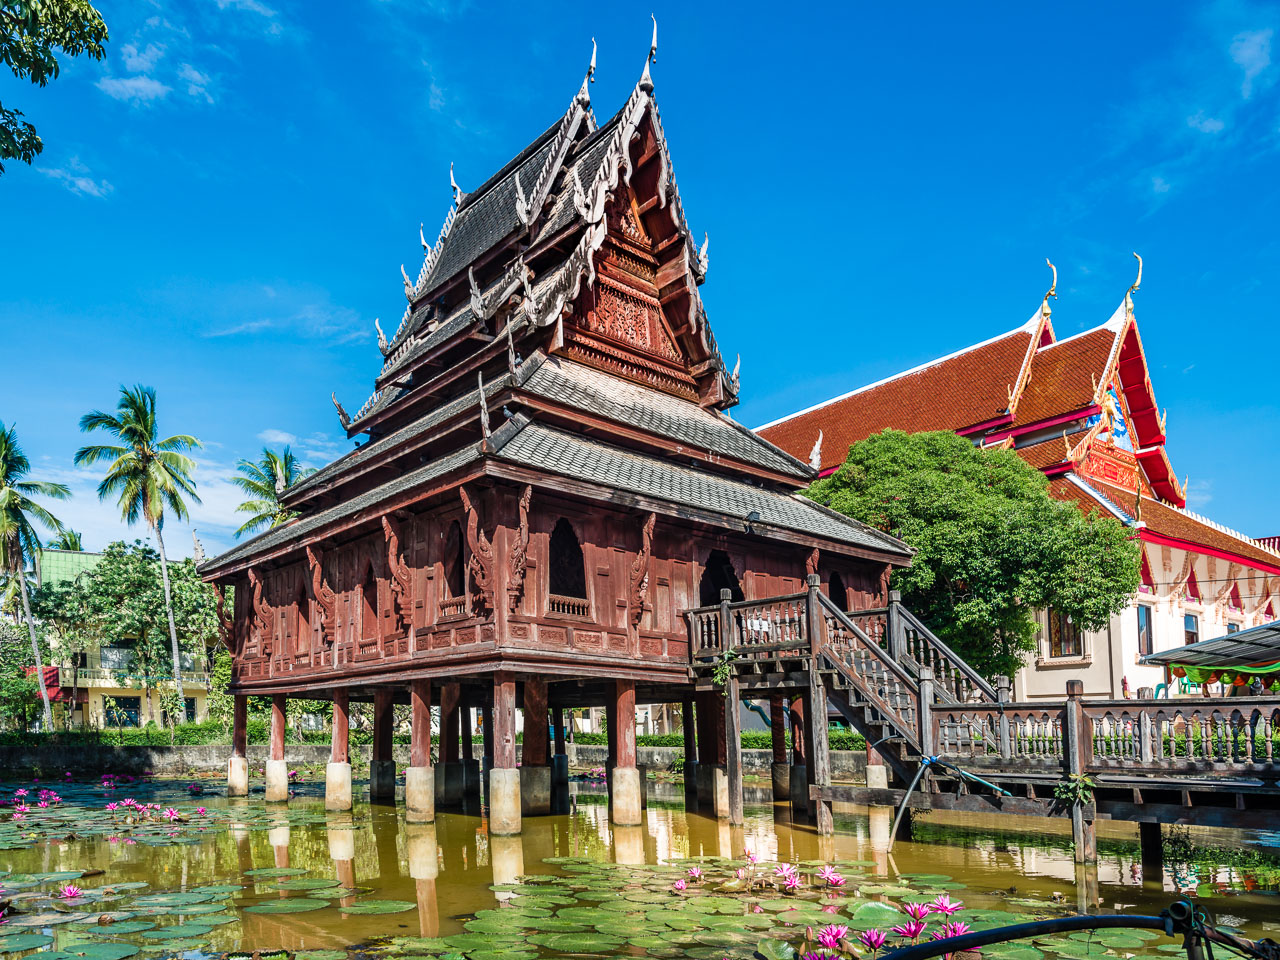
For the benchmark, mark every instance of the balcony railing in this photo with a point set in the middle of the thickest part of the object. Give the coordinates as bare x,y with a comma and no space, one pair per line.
69,676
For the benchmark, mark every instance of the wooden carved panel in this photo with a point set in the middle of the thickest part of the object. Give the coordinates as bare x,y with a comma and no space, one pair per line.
518,561
480,563
401,581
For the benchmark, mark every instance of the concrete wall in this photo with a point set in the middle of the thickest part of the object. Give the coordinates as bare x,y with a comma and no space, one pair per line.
175,761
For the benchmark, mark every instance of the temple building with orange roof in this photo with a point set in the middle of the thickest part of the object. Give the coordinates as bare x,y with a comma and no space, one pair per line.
1082,410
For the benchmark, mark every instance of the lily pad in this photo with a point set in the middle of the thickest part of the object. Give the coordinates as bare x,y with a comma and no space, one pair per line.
775,949
288,905
576,942
106,950
23,941
120,929
275,872
179,931
379,906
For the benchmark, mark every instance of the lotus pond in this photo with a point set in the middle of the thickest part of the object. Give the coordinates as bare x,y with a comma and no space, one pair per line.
107,872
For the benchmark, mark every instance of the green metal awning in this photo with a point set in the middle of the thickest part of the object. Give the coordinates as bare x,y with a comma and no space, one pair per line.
1256,648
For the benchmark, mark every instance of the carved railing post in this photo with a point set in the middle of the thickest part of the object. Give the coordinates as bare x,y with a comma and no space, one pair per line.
925,711
1145,729
1003,696
895,628
1077,755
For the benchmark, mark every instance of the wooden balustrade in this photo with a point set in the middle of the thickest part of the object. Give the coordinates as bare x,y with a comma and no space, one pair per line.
453,607
756,627
569,606
1186,734
1026,732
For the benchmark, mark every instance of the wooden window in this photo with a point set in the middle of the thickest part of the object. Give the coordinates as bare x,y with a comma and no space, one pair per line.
455,566
1144,630
1064,637
717,575
1191,628
837,592
369,605
302,622
567,584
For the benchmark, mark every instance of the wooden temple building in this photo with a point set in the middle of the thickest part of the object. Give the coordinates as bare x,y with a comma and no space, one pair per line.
1081,409
545,491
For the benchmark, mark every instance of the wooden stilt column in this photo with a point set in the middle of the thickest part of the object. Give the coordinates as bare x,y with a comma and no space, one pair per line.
487,721
818,751
1078,752
449,774
419,778
337,775
238,762
780,771
799,776
504,777
733,748
559,764
535,773
382,768
626,778
713,785
688,721
470,764
277,769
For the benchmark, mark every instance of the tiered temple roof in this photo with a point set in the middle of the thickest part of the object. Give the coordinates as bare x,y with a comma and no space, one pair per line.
1080,409
555,326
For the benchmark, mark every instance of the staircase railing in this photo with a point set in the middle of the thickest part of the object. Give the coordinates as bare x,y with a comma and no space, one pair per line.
957,682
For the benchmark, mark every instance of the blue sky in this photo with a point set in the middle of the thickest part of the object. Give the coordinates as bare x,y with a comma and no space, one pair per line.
223,205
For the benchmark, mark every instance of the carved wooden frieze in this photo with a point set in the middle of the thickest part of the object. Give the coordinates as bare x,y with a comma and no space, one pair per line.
226,622
480,563
811,562
640,571
518,560
261,622
401,581
326,600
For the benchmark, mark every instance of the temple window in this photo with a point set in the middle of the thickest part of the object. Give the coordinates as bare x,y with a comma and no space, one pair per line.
1191,628
454,564
567,572
369,605
837,591
301,622
1145,645
1064,636
717,575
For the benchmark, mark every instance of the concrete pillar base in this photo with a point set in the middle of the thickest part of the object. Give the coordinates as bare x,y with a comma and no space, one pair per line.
419,795
800,787
535,791
504,802
382,780
277,781
877,776
337,786
780,773
626,797
237,777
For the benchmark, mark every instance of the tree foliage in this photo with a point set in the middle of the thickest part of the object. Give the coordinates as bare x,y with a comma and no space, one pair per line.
265,482
31,33
992,546
19,692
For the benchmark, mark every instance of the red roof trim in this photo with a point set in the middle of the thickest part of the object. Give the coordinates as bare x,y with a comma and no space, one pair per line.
1151,536
1022,429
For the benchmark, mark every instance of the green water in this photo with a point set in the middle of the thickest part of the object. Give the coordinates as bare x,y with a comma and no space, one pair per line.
293,877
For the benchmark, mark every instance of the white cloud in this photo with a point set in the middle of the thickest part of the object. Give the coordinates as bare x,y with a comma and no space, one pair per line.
301,310
141,61
197,82
134,89
1251,50
269,14
75,177
277,436
1205,124
1199,494
1160,185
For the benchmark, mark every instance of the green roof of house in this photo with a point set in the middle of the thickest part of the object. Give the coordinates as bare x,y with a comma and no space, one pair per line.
61,566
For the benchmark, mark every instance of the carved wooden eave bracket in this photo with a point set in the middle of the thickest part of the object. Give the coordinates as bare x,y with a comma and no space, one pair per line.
326,600
262,622
480,563
518,559
640,571
811,562
401,582
226,622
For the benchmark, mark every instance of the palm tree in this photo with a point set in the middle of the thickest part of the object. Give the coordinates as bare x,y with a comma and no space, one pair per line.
18,540
67,539
146,475
265,481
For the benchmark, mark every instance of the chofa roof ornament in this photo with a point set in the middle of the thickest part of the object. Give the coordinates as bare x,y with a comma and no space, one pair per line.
1128,297
1053,290
815,455
646,82
458,195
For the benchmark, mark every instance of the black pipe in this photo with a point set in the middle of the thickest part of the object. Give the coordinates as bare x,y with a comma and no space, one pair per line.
1021,931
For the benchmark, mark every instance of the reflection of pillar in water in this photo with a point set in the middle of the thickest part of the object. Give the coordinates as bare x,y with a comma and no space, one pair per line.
506,855
240,834
628,844
385,834
420,839
826,847
724,839
879,827
278,837
1152,849
783,830
342,851
1087,892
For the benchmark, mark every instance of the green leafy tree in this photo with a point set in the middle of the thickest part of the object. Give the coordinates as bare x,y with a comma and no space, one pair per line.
220,704
265,482
67,539
31,32
146,475
992,546
19,514
61,607
17,686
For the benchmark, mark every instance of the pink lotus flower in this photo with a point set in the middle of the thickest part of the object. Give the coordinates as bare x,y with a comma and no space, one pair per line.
695,873
113,839
741,873
201,811
952,928
43,803
831,936
756,908
832,876
20,792
69,892
128,801
873,940
751,857
678,885
113,806
171,814
784,870
945,905
130,841
916,911
791,883
18,816
911,929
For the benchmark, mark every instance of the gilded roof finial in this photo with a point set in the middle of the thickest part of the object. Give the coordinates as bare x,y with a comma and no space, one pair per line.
591,68
702,254
408,284
815,455
426,247
1053,290
382,337
342,414
458,195
1128,297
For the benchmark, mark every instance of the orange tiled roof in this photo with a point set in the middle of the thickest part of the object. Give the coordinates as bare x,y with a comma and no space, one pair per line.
952,393
1167,521
1044,455
1064,376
